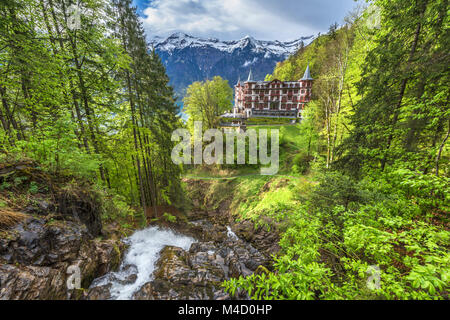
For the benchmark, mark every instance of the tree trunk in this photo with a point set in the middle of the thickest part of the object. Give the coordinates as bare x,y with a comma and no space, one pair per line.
438,157
9,115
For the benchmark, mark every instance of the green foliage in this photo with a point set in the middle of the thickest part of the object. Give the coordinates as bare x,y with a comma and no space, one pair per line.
115,207
380,118
95,103
169,218
301,163
268,121
343,228
431,192
34,188
83,102
206,101
402,118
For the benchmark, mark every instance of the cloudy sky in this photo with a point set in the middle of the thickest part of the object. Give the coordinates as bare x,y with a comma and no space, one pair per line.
234,19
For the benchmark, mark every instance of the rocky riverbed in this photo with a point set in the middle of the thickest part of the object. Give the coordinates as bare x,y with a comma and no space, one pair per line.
190,263
55,245
185,260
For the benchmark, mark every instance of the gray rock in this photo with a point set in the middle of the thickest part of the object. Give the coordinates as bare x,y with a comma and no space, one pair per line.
37,254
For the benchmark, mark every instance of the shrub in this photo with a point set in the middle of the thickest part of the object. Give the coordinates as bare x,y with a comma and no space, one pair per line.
169,217
301,163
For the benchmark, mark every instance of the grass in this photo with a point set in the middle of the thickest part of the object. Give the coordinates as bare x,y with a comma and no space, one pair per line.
268,201
9,218
265,200
290,146
269,121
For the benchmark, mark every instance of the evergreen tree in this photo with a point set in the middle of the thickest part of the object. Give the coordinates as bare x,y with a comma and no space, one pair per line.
90,99
403,115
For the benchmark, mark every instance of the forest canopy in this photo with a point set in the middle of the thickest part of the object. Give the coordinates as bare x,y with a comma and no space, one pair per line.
82,92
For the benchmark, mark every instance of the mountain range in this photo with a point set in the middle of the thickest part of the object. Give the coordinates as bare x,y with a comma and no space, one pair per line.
188,58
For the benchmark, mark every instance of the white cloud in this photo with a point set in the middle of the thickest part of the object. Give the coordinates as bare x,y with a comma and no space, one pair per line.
232,19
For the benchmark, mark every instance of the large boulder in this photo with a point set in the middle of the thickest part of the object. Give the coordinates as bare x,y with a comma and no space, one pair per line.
31,282
175,278
43,242
193,274
35,257
54,194
265,241
198,274
82,204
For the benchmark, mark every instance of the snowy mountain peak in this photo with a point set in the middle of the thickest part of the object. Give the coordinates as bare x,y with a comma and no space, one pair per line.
248,38
180,40
179,35
188,59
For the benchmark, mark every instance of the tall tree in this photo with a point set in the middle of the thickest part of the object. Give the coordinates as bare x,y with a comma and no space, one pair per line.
404,105
206,101
88,98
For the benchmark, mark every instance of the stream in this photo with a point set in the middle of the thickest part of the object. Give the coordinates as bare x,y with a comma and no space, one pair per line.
140,260
161,263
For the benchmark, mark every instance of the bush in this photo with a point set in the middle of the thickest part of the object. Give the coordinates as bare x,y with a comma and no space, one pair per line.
169,217
115,207
301,163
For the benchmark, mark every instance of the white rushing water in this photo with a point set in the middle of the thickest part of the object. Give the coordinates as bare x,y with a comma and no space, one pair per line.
143,253
231,234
